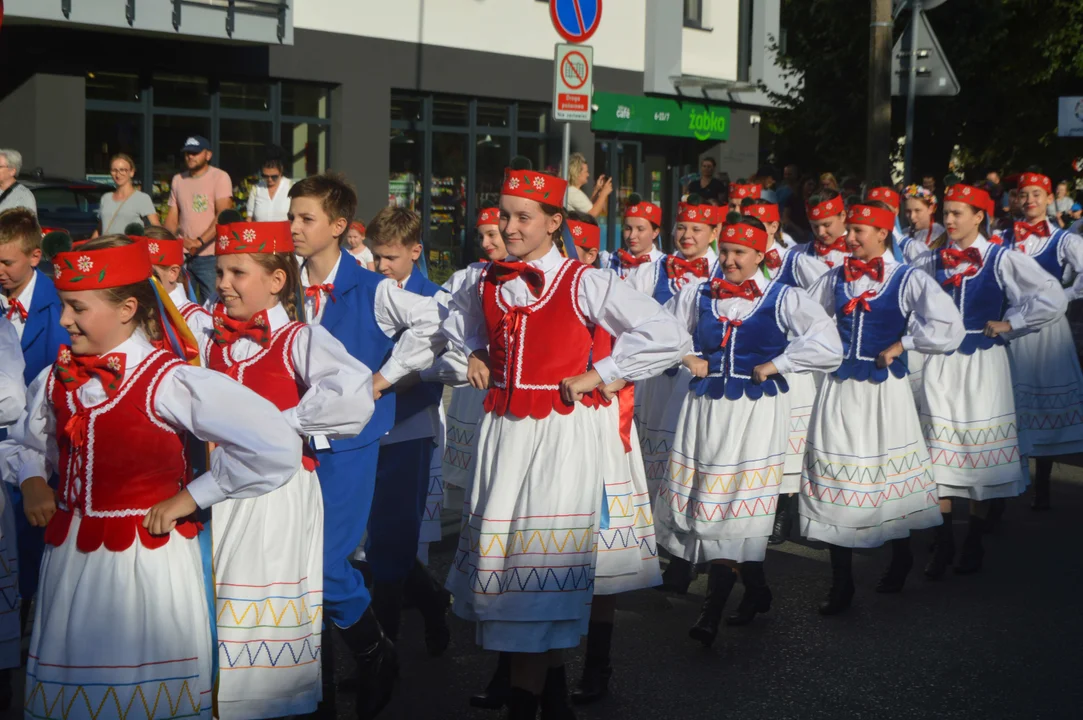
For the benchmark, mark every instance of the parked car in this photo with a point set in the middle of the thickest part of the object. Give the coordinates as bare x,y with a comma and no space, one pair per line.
73,205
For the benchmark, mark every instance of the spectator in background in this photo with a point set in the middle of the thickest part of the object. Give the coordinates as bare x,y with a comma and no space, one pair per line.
354,242
790,177
707,186
269,200
767,176
828,181
929,183
195,199
1062,201
578,174
12,193
125,205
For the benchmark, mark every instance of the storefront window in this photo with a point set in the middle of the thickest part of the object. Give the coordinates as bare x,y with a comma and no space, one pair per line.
536,150
241,152
405,109
447,224
304,146
118,87
404,182
112,133
493,156
493,115
170,132
304,100
454,112
182,91
244,96
533,118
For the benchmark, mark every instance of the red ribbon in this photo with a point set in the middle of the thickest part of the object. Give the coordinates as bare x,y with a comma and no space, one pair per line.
825,249
677,267
227,330
14,307
862,300
730,324
628,260
952,258
1024,230
957,279
510,324
313,291
75,370
75,427
504,271
854,269
626,401
773,259
723,289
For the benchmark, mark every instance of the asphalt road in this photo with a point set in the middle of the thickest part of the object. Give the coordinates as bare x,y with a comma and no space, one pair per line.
1006,643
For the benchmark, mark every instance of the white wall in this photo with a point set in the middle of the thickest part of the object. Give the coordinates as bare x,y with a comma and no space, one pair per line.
713,53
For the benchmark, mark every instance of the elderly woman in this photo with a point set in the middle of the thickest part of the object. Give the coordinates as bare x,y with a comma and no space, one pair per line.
578,174
125,205
269,200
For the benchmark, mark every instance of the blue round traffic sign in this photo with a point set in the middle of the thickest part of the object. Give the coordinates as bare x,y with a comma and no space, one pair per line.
576,20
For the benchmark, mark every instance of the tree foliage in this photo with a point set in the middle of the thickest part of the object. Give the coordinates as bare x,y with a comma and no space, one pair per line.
1013,58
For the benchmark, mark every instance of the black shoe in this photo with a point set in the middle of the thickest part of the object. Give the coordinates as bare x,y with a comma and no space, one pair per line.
1042,480
757,597
377,665
7,693
522,705
720,582
842,582
943,550
784,516
387,606
594,685
902,561
996,514
554,698
970,558
433,601
677,576
838,600
496,693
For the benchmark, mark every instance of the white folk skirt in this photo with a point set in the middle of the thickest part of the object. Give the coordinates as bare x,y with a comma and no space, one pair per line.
268,566
627,549
802,395
1049,390
118,632
867,478
10,615
431,530
656,418
725,472
461,443
968,417
524,567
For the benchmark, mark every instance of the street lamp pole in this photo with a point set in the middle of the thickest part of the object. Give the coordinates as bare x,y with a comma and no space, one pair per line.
878,137
911,90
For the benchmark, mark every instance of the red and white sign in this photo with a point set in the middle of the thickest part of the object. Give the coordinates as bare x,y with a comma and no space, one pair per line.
573,83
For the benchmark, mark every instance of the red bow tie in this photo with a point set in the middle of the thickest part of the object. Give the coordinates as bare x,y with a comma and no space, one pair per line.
678,267
75,370
861,300
853,269
504,271
628,260
1023,230
313,291
14,306
957,279
824,249
773,259
953,258
724,289
227,330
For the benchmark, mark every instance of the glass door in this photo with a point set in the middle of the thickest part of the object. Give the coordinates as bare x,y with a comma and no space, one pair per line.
621,160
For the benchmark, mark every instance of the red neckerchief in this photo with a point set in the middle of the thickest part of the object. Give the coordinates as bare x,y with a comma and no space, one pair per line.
313,291
227,330
953,258
504,271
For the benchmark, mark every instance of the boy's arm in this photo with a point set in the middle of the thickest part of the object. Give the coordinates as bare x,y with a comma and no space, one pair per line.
415,319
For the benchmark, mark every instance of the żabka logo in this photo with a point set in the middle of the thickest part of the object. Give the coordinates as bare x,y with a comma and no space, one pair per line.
703,124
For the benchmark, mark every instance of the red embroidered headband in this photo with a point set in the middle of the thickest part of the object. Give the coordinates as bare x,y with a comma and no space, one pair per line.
164,253
489,216
874,216
254,237
706,214
646,210
885,195
834,206
975,197
113,267
745,191
542,188
767,212
585,235
746,235
1036,180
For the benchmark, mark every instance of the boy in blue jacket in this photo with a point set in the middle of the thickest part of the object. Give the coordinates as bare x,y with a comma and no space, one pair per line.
394,333
403,470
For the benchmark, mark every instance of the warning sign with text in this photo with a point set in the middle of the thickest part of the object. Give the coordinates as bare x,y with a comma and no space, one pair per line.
573,82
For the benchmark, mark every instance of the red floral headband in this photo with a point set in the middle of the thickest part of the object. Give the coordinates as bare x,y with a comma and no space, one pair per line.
834,206
874,216
585,235
254,237
746,235
113,267
706,214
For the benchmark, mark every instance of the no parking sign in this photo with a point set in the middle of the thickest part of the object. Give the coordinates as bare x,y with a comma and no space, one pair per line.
573,82
576,20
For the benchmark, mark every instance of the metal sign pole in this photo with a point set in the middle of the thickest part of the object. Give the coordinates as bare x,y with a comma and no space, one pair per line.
565,152
911,91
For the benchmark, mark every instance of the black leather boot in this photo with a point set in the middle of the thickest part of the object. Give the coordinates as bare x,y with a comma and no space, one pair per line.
387,606
496,693
433,601
7,693
377,664
1042,476
554,698
522,705
594,685
997,506
677,576
784,519
842,582
943,549
720,582
971,556
757,597
902,561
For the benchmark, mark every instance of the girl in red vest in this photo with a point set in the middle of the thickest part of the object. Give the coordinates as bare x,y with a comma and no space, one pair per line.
524,569
269,549
122,613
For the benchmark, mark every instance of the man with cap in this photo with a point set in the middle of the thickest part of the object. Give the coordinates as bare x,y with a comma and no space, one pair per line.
196,198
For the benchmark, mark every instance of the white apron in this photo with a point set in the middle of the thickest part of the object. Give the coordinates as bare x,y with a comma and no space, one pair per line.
802,395
1049,390
463,417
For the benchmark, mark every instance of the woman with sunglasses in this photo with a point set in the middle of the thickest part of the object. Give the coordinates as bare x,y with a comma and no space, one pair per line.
269,200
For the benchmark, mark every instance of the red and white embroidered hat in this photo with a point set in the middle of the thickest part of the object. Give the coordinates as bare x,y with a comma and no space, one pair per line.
646,210
885,195
745,191
874,216
705,214
540,187
81,269
488,216
834,206
972,196
1036,180
163,253
585,235
764,212
746,235
254,237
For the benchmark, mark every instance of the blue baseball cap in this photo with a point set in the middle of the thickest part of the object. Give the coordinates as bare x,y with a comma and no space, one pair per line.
196,144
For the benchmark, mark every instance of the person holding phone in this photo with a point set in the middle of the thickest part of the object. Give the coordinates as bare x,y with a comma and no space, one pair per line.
578,174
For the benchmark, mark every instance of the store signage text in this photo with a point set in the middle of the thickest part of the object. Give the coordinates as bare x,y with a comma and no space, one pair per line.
660,116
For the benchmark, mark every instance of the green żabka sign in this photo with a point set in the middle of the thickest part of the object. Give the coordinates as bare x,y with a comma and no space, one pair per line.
659,116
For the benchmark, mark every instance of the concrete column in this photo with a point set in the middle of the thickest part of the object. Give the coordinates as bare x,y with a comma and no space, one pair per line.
45,120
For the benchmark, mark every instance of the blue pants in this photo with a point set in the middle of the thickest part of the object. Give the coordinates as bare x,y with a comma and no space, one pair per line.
347,479
202,271
402,487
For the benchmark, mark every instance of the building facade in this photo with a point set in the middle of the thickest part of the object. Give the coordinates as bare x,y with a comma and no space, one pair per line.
420,103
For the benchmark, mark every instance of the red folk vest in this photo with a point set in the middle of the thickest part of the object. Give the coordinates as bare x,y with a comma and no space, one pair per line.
130,461
532,348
